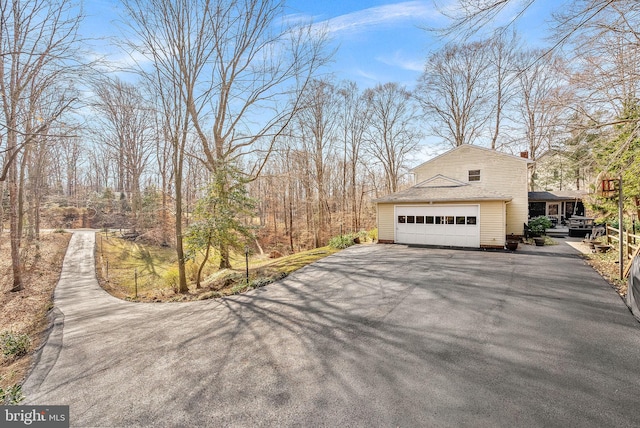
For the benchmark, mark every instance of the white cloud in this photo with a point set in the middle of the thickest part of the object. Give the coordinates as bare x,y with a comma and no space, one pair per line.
398,59
368,76
379,15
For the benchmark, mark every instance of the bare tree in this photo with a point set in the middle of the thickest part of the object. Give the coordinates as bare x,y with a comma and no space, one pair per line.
172,36
234,63
541,101
318,123
471,17
392,134
502,75
354,119
37,45
453,92
126,123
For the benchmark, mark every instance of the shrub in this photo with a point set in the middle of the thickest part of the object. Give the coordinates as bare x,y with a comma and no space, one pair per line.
14,345
261,282
11,395
341,242
362,236
171,279
539,225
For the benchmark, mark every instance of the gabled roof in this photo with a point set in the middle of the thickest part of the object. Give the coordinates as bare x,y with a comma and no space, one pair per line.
474,147
567,195
440,181
443,189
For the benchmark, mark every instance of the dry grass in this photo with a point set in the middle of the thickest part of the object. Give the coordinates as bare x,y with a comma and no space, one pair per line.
26,311
157,271
606,264
122,266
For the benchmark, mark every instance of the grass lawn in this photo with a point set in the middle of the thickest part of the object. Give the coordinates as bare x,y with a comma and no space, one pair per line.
123,266
134,271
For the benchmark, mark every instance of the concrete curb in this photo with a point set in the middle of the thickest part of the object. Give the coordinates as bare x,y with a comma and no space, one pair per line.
47,354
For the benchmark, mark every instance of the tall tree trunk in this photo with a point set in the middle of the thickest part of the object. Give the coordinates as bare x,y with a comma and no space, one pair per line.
2,186
204,261
291,225
14,224
178,163
225,262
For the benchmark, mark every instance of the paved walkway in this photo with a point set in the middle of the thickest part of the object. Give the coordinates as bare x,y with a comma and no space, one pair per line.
378,335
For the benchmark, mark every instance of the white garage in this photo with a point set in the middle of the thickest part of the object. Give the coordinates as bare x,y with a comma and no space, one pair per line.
444,225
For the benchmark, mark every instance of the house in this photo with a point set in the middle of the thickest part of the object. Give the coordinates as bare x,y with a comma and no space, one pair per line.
559,170
469,196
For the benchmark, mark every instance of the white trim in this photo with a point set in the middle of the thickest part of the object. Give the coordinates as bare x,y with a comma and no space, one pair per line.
479,180
453,181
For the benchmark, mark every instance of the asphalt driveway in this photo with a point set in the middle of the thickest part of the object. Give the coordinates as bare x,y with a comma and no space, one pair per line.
376,335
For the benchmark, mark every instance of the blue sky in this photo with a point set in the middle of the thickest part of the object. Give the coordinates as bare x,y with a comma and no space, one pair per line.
378,41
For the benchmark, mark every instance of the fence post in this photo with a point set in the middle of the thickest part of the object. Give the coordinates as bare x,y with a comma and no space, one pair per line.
626,245
135,273
621,227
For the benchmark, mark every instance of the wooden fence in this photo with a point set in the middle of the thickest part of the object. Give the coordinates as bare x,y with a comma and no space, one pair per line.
630,242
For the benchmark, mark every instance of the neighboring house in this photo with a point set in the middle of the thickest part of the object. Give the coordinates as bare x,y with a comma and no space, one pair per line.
469,196
556,170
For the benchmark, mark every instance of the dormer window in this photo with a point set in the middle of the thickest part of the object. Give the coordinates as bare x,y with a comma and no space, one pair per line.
474,175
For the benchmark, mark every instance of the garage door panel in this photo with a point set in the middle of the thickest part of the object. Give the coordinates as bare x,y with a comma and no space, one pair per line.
456,225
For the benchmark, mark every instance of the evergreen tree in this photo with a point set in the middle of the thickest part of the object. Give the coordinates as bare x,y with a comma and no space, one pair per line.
221,218
616,155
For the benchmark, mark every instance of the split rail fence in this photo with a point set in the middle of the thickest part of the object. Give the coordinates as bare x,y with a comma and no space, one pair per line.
630,243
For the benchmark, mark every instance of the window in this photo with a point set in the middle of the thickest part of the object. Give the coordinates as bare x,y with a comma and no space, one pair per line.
474,175
460,220
471,220
420,219
450,219
402,219
439,219
411,219
537,209
429,219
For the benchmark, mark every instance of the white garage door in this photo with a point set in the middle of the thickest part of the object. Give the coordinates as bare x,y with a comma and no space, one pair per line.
454,225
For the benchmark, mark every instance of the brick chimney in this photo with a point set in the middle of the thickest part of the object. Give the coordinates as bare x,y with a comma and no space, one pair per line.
524,154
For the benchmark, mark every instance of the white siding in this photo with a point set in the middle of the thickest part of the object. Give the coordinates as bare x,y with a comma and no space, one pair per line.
492,224
499,172
386,225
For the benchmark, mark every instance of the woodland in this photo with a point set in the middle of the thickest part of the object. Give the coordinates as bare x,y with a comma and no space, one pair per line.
227,130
